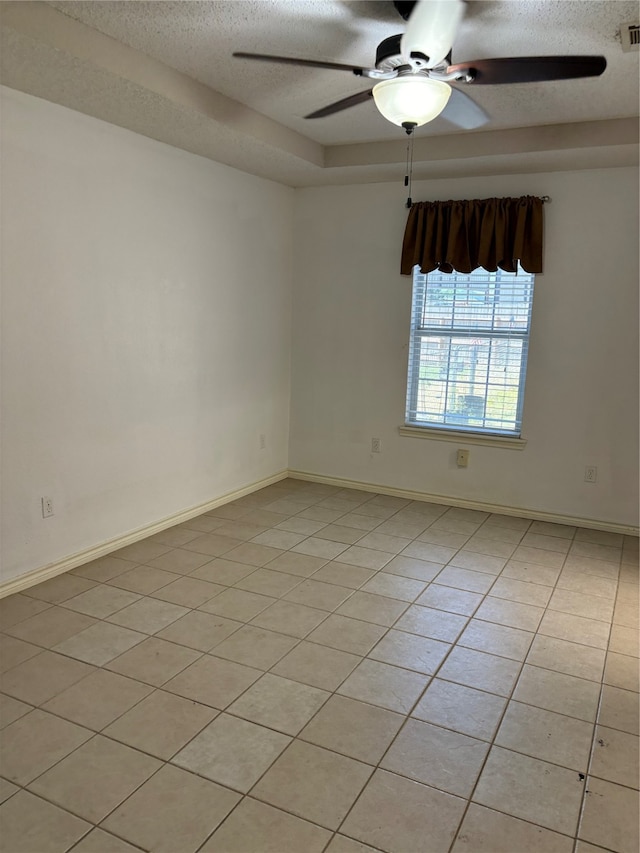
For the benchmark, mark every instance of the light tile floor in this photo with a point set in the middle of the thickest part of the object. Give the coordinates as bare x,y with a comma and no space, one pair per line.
316,669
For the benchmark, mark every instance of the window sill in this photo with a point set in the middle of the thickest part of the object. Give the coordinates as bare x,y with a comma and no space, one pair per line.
460,437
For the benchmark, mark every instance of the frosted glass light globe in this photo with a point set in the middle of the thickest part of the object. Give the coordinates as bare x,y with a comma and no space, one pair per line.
412,100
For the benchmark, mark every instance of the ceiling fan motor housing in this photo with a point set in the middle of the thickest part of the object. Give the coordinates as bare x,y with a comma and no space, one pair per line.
388,56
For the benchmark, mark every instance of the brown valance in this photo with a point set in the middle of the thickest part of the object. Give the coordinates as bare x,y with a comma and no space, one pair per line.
464,235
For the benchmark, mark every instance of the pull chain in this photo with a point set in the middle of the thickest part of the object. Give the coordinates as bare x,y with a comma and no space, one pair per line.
409,168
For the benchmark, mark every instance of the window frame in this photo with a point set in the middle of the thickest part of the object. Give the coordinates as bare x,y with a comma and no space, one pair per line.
419,333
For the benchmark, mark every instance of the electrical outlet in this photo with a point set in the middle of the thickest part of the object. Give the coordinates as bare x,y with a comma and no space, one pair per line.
263,442
376,445
462,458
590,474
47,507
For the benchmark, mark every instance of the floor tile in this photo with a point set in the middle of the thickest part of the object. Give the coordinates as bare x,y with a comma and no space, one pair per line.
389,543
11,710
431,553
153,661
487,831
624,641
462,709
254,555
317,665
452,600
201,631
267,582
30,824
548,543
222,572
173,537
257,826
324,596
427,622
394,586
496,639
610,816
616,757
98,699
161,724
143,579
579,604
367,607
620,709
188,591
510,613
410,567
141,551
565,626
279,703
478,562
348,635
444,759
255,647
353,728
213,545
478,669
95,778
101,601
102,569
16,608
7,789
564,656
587,584
278,539
233,752
300,565
528,788
384,685
35,742
521,591
622,671
52,626
14,652
237,604
540,556
396,815
466,579
367,558
60,588
410,651
489,546
42,677
546,735
300,525
286,617
556,691
339,533
213,681
530,573
174,810
99,841
243,530
100,643
313,783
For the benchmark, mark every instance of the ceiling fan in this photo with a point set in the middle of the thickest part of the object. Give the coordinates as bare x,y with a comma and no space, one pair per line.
415,77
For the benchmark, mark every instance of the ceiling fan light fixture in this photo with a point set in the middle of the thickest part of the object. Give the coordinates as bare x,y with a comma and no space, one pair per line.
413,100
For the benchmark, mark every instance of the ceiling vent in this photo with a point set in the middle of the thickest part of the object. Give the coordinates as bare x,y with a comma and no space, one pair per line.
630,37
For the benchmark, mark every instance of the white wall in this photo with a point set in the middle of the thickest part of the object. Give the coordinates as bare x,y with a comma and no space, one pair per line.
351,320
145,331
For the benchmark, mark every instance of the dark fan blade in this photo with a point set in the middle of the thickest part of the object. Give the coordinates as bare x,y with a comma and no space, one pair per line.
462,111
344,104
531,69
310,63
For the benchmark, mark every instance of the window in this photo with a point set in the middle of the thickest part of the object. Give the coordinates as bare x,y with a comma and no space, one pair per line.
468,350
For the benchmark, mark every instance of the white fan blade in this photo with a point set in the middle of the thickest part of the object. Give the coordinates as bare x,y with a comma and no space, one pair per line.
463,111
431,29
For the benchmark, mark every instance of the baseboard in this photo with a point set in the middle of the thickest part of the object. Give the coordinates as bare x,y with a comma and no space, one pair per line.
51,570
555,518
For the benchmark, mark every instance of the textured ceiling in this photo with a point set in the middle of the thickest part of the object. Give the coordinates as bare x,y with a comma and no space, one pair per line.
166,70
